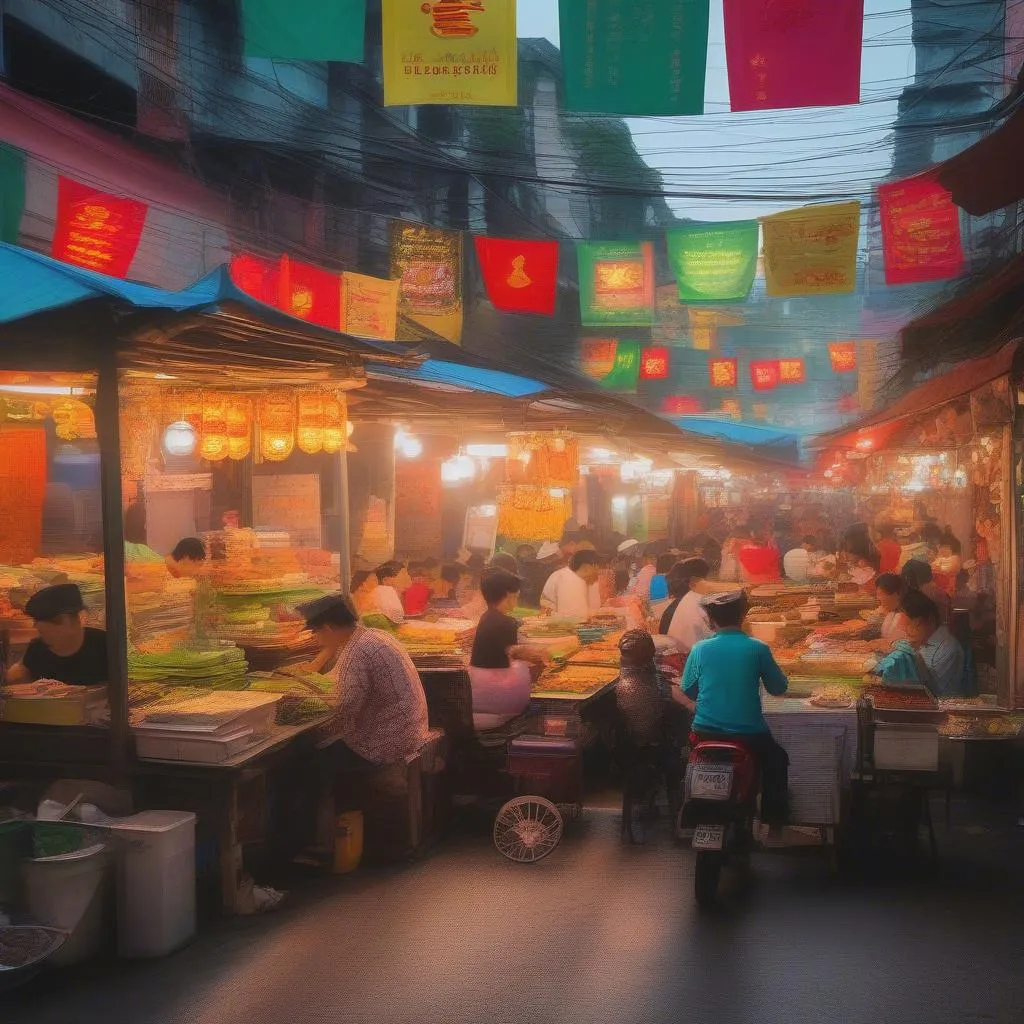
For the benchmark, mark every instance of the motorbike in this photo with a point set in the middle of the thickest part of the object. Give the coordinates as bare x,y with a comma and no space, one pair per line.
719,804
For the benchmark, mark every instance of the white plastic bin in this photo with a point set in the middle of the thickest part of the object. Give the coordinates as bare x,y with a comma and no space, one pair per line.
156,882
69,892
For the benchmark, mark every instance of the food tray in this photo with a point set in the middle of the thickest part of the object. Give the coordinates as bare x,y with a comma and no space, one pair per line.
38,952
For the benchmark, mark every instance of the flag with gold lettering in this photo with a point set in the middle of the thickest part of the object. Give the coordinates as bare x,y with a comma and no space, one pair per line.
615,365
765,374
310,293
428,264
520,276
920,231
793,53
616,283
723,373
370,307
96,230
792,371
714,262
654,363
812,250
843,356
453,52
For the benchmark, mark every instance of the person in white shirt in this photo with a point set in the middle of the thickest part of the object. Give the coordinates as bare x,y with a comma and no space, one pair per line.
889,591
685,619
641,585
392,579
568,591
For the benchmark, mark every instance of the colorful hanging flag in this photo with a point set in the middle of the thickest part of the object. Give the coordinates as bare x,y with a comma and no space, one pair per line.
714,262
812,250
616,283
615,365
257,277
305,29
457,52
792,371
654,363
428,264
843,356
724,373
310,293
520,277
12,192
681,405
793,53
95,230
370,307
622,57
920,231
765,375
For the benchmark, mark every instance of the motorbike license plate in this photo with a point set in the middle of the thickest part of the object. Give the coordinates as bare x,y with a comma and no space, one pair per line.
711,782
709,837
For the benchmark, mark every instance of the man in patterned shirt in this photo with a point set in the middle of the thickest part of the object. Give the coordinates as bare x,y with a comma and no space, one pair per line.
380,712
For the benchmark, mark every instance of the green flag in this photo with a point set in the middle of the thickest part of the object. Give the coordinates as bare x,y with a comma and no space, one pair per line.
12,192
305,29
624,57
613,364
616,283
714,262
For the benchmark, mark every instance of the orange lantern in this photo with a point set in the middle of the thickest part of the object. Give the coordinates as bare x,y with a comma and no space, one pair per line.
213,438
239,419
310,430
335,424
277,427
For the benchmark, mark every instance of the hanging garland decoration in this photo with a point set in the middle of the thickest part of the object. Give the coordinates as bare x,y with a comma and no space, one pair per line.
528,513
544,459
277,427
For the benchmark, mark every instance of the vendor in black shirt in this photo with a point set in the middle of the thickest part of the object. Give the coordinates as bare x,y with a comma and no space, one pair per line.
498,667
66,650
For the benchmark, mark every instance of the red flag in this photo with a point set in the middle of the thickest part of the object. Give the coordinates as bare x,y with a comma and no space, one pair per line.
520,277
310,293
257,277
724,373
96,230
843,356
765,375
681,405
793,53
654,363
920,231
792,371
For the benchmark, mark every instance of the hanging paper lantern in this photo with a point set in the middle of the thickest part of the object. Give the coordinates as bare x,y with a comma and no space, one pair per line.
724,373
654,363
843,356
277,427
337,429
213,444
180,438
792,371
309,433
238,412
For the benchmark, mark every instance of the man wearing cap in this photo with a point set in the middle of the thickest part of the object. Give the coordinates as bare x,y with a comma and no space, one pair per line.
66,650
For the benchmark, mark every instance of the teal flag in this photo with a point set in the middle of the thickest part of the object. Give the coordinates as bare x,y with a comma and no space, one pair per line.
12,192
714,262
625,57
305,29
613,364
616,283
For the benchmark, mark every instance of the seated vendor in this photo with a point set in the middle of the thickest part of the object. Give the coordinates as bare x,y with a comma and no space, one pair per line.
499,667
66,650
187,559
417,595
392,581
941,653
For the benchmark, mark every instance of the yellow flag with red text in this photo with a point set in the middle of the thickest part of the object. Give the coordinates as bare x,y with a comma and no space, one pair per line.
452,52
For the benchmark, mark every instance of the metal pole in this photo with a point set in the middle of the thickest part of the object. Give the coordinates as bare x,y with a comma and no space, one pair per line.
109,435
344,533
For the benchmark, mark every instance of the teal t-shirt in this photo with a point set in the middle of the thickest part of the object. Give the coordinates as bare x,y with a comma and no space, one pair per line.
724,674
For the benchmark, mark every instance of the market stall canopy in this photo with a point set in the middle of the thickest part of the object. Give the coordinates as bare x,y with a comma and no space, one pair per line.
450,376
872,433
783,445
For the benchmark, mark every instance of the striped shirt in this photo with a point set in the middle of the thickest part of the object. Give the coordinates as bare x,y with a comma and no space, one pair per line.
380,709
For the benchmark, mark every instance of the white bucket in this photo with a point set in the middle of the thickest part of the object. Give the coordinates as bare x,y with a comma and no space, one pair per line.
69,892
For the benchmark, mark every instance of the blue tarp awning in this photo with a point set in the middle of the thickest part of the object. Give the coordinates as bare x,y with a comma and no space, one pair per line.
459,375
736,432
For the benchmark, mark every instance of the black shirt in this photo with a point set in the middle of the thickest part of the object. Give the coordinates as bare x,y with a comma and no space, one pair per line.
495,634
86,667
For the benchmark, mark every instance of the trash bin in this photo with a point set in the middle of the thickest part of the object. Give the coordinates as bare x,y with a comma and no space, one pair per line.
68,891
156,882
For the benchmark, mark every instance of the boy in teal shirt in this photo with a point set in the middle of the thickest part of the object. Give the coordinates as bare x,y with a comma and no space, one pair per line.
724,675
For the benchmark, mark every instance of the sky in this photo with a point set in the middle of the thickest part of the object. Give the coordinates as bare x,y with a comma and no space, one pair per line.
771,153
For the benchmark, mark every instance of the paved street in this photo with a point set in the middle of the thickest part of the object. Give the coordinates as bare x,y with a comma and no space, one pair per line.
596,933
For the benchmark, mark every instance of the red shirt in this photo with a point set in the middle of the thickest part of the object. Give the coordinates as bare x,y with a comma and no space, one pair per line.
416,599
889,556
